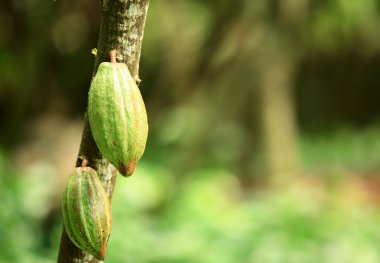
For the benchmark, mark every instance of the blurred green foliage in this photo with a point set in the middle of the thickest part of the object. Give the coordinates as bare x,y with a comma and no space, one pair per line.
201,192
207,218
345,148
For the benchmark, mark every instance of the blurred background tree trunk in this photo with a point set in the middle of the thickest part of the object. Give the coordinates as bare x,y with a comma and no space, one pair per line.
279,122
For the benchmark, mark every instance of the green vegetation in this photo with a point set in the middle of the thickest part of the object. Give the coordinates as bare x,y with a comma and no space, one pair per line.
345,149
208,217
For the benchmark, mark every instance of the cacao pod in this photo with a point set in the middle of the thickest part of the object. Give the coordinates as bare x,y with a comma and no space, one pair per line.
87,212
117,116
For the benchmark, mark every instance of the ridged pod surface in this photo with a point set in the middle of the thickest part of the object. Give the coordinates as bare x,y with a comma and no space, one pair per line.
117,116
87,212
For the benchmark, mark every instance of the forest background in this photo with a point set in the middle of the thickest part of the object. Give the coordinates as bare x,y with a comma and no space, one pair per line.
264,140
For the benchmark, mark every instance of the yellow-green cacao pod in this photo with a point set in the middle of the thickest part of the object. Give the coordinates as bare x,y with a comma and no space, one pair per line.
87,212
117,116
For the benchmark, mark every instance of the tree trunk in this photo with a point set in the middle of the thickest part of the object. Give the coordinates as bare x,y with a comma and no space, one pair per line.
278,116
122,29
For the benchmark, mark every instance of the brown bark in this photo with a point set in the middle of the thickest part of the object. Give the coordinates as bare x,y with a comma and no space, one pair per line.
122,28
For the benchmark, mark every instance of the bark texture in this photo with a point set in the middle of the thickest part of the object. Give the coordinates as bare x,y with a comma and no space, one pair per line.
122,28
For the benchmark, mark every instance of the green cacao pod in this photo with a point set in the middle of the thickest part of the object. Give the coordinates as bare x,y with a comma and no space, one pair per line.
87,212
117,116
